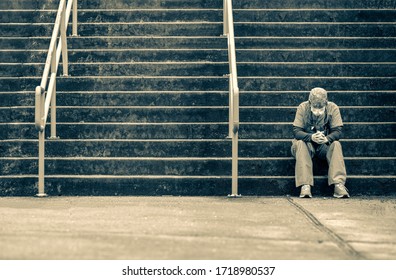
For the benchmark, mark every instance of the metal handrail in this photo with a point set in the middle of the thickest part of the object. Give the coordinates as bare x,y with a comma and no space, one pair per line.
233,127
47,95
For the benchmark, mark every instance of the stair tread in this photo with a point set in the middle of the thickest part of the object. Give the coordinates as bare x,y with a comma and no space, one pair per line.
136,140
226,158
101,176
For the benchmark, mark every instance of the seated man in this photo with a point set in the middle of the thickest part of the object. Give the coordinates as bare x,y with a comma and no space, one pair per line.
317,129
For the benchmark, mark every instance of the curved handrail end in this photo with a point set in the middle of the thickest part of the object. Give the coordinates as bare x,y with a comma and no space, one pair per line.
235,127
39,127
39,90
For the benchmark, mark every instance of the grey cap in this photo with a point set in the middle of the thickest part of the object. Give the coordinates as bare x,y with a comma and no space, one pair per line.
318,97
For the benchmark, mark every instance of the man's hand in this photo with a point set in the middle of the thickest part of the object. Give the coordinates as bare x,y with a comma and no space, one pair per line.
319,138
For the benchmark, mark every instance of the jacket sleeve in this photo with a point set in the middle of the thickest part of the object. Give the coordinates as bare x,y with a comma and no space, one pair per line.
335,134
300,134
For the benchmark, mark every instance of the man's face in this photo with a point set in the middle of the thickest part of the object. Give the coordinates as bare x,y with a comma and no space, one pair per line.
318,111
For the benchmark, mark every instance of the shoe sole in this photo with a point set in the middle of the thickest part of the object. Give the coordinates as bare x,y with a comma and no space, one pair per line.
341,196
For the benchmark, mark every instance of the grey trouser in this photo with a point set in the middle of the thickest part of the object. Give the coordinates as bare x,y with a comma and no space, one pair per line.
304,152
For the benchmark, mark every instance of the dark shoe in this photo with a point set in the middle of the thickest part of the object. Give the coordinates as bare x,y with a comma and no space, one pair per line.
340,191
305,191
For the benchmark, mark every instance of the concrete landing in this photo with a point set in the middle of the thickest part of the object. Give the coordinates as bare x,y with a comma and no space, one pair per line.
197,228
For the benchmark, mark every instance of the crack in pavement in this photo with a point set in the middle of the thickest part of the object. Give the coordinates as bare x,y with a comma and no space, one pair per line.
341,243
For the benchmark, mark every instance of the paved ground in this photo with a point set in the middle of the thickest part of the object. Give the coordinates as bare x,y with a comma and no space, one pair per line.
199,228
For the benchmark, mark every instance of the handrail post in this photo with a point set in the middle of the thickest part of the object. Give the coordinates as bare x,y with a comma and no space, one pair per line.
235,135
53,97
39,122
41,167
230,107
225,17
234,165
63,27
39,101
53,114
233,128
74,27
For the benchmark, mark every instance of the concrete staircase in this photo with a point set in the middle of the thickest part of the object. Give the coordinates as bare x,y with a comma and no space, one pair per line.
145,109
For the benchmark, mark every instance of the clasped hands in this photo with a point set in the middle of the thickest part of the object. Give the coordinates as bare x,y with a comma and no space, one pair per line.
319,138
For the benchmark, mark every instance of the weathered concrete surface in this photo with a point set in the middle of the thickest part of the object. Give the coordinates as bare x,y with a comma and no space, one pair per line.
368,225
197,228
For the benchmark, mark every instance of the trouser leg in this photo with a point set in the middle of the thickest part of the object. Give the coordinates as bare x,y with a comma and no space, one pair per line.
335,159
303,167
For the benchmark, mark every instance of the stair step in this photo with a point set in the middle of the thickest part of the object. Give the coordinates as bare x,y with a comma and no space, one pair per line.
208,68
334,29
117,16
138,114
318,42
123,42
318,4
178,114
170,83
312,15
361,130
124,4
212,55
190,185
366,130
128,69
183,148
120,55
201,42
185,166
316,55
108,83
179,4
317,69
200,98
303,83
116,98
122,131
29,4
342,98
181,185
209,15
117,29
